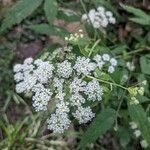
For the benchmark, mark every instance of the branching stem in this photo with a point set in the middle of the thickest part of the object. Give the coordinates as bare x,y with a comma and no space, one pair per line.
107,82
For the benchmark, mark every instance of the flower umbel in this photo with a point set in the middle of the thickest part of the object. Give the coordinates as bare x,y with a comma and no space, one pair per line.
99,17
64,82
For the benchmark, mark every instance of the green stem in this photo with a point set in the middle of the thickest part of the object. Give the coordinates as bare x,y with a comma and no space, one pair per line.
95,44
107,82
136,51
118,109
119,106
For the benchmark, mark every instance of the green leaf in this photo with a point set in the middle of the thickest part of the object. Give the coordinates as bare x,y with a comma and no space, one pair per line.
138,115
142,98
142,21
68,15
135,11
145,64
20,11
80,41
102,75
124,136
119,49
103,122
140,16
49,30
50,8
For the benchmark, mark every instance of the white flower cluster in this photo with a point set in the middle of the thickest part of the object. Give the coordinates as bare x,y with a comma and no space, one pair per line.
64,69
84,66
83,115
94,90
64,82
99,18
59,121
31,77
104,61
137,134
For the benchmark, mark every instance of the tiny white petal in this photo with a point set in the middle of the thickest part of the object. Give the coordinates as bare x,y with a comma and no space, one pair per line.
106,57
111,69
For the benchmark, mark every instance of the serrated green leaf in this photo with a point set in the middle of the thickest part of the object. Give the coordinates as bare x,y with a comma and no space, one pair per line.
49,30
20,11
138,115
98,127
145,64
50,8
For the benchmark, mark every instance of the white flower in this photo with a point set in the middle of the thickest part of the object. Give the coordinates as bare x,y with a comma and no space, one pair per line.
62,107
41,99
99,61
101,9
18,76
76,99
77,85
20,87
124,78
58,83
91,15
30,81
106,57
83,115
58,122
38,62
109,14
97,58
130,66
37,87
44,71
84,66
144,144
60,96
28,60
99,18
26,85
96,24
94,90
133,125
27,68
17,68
64,69
84,17
111,69
113,61
104,60
104,23
137,133
112,20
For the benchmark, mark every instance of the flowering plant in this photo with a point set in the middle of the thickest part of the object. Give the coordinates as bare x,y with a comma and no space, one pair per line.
94,80
70,82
